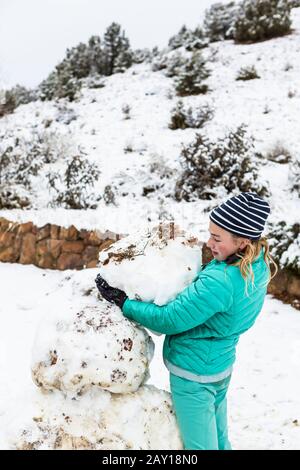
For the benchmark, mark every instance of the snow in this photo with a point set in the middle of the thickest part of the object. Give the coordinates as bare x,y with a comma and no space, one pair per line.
89,348
94,345
80,412
264,394
103,134
155,269
100,421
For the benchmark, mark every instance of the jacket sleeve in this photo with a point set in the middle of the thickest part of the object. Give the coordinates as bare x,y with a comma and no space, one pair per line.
211,293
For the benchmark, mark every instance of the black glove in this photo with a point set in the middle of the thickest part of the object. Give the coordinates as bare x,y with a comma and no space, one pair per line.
112,294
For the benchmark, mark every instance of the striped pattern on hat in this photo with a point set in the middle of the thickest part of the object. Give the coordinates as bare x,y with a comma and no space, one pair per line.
244,215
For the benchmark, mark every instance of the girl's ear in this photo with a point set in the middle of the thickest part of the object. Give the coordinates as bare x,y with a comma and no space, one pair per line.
244,244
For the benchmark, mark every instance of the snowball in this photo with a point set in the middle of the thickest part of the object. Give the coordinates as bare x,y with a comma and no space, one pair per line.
103,421
151,265
146,418
95,346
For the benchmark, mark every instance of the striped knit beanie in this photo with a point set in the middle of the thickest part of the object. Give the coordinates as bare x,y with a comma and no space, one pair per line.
244,215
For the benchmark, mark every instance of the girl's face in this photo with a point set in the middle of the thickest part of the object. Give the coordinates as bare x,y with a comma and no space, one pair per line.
222,244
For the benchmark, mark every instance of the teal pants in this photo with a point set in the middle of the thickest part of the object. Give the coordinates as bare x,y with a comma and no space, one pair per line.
201,412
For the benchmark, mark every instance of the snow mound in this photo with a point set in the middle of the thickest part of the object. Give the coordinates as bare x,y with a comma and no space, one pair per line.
95,346
103,421
149,411
92,363
152,265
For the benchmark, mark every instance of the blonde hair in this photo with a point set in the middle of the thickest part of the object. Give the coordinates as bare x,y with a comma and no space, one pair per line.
251,252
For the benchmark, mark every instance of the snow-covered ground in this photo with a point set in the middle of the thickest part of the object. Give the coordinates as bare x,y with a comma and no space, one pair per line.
124,149
264,395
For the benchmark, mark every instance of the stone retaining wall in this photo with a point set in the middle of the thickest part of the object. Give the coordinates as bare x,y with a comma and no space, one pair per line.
55,247
52,246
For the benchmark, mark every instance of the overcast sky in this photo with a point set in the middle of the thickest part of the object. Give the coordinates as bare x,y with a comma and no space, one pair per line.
34,34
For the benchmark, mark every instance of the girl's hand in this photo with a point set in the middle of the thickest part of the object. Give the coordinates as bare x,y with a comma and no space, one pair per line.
111,294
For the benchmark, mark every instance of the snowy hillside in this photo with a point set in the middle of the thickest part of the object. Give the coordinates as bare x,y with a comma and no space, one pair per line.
122,130
125,150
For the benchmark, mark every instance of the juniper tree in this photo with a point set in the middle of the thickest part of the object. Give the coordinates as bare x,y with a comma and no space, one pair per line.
116,50
142,55
258,20
96,56
12,98
230,162
78,60
61,83
284,241
219,21
191,40
18,163
247,73
87,60
47,88
175,64
190,79
294,176
187,117
74,187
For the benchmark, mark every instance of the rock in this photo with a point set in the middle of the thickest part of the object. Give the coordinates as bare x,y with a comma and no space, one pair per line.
47,252
52,247
70,233
90,255
69,261
73,246
91,264
54,231
10,244
93,239
27,255
4,224
293,286
43,232
83,233
279,283
9,255
7,239
25,228
106,243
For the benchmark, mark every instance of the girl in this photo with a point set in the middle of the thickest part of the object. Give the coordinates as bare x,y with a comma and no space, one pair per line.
203,324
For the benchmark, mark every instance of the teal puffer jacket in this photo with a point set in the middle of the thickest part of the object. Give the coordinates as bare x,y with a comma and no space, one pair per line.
204,322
